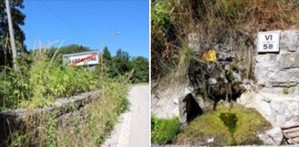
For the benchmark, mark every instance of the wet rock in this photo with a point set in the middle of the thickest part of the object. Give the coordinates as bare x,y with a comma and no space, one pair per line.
224,53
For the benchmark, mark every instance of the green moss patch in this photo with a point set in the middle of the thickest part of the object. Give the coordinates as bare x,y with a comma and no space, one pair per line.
228,126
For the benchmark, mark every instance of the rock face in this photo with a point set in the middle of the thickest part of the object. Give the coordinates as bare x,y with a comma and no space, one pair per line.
271,70
165,103
279,110
280,69
272,137
273,91
277,74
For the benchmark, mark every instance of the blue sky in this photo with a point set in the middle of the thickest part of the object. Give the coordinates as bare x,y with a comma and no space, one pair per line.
91,23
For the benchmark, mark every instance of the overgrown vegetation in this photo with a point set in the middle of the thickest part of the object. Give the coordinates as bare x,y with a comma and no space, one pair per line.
225,131
40,80
163,130
233,22
42,77
87,127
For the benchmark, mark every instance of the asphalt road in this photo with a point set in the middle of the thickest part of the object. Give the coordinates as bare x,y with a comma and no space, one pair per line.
133,129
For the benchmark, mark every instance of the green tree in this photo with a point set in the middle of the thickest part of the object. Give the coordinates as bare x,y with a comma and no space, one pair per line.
120,63
73,48
18,20
141,69
106,54
107,61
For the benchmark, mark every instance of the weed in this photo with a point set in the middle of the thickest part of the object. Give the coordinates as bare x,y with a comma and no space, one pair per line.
89,126
42,82
163,130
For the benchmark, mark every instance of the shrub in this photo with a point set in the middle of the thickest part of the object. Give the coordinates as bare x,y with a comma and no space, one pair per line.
163,130
87,127
41,82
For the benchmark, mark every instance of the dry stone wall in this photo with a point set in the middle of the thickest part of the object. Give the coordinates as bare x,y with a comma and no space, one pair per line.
276,94
280,70
64,108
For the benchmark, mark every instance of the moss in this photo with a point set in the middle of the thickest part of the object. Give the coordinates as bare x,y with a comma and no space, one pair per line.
285,90
210,125
229,120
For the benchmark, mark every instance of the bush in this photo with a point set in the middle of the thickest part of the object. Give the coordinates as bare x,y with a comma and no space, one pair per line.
87,127
163,130
41,82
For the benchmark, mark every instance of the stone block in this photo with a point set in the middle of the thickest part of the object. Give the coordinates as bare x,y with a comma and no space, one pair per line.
272,137
289,60
280,69
289,41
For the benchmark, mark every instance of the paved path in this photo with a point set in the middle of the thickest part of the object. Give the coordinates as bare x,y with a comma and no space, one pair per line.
133,129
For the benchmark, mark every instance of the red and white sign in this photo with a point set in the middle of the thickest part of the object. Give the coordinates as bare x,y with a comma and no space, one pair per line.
83,58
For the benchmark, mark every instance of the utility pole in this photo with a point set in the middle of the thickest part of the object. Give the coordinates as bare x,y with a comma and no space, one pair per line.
11,35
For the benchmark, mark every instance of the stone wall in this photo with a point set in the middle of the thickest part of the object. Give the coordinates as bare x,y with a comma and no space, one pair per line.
271,70
279,110
265,74
280,70
276,92
14,120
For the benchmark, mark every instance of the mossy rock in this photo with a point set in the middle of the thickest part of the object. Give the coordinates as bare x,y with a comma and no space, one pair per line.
248,122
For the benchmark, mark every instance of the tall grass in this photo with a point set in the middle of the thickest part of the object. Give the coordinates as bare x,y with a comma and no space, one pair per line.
40,82
164,130
87,127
